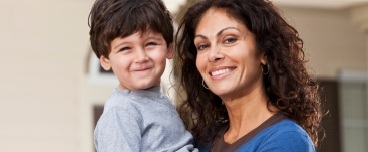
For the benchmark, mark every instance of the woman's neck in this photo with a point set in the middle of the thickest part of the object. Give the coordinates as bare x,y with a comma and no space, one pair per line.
246,114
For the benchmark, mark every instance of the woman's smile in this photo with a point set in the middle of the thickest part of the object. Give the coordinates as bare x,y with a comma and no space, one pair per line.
221,72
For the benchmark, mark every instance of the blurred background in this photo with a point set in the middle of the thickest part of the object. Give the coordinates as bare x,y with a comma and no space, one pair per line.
52,89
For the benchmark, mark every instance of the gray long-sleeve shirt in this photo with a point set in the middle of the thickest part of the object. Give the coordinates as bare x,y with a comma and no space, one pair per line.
142,120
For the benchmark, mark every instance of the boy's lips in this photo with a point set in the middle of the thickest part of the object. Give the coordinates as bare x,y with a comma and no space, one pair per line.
142,69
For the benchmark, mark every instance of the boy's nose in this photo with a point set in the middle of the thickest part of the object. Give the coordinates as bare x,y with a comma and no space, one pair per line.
140,55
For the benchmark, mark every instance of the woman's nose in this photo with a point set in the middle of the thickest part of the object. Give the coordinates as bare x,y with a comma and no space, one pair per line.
215,54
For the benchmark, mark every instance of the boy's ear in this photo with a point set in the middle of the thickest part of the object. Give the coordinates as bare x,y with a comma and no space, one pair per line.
170,51
105,63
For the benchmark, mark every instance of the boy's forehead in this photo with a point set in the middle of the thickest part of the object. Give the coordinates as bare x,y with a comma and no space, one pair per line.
148,32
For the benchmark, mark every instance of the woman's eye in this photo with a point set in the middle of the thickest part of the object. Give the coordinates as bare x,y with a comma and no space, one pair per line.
230,40
201,47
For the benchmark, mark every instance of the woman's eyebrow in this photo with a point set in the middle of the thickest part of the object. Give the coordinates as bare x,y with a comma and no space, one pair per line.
201,36
218,33
221,31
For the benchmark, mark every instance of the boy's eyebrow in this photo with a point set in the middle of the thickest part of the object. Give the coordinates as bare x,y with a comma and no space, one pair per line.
154,37
149,37
119,44
218,33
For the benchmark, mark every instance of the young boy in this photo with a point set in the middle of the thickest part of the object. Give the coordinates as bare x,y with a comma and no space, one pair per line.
134,38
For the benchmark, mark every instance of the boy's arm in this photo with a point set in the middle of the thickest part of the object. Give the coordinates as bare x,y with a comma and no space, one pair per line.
117,130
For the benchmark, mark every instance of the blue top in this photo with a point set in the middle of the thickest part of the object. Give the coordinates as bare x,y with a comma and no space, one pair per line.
283,136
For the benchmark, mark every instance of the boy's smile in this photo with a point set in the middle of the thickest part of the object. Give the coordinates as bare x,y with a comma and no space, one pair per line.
138,60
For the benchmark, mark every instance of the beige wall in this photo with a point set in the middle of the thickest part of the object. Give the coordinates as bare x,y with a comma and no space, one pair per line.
47,98
43,44
332,41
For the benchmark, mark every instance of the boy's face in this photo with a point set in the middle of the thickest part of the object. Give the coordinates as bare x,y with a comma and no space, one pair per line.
138,60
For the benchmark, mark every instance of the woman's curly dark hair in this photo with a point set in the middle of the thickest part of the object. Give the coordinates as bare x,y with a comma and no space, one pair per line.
288,85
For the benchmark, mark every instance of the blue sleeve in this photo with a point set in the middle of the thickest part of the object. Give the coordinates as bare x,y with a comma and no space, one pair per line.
117,130
290,141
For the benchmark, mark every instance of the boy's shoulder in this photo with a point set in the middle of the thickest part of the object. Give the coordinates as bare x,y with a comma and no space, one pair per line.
136,101
118,98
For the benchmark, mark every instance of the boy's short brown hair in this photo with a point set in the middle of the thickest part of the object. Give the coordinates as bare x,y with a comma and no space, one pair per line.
110,19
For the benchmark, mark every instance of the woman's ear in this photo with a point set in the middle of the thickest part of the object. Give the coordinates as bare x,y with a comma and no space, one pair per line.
264,59
105,63
170,51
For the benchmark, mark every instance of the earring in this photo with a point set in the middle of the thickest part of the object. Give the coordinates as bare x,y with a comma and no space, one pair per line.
204,85
268,69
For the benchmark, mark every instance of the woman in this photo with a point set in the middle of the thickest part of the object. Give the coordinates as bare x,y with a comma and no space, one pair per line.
245,79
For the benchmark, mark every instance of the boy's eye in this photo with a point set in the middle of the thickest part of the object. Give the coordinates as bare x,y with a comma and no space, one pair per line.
151,43
124,48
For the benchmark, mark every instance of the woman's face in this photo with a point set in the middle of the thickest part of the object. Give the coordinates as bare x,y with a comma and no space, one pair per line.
227,56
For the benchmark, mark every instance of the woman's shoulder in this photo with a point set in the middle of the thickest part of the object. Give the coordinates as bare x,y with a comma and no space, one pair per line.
286,129
287,125
285,135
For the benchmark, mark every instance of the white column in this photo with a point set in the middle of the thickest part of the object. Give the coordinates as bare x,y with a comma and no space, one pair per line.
354,100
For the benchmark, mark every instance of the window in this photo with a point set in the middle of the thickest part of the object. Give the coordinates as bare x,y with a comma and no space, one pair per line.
96,74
